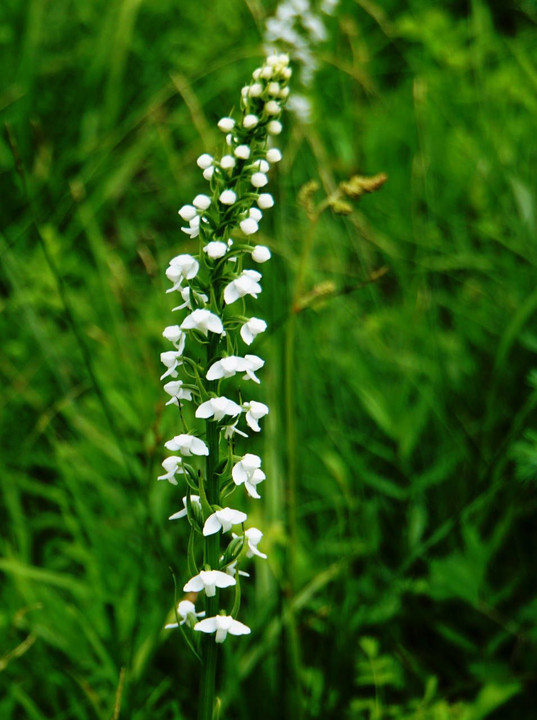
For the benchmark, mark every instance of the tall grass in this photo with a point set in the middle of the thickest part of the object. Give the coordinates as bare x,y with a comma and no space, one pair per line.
411,434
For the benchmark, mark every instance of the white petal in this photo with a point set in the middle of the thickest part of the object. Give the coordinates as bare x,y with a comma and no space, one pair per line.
238,628
195,584
212,525
207,626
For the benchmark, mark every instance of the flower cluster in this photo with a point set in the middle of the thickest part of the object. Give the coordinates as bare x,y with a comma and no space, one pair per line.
298,28
213,397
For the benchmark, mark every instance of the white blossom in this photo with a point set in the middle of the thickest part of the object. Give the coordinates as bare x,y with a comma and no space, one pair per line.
204,161
254,411
175,335
175,389
172,465
222,625
184,609
251,328
204,321
227,162
273,88
202,202
218,408
274,155
194,499
272,108
259,179
228,197
209,580
223,520
171,360
255,214
246,284
249,226
231,569
193,229
253,537
261,254
182,267
226,124
186,295
187,445
250,121
208,173
261,165
255,90
265,201
248,472
242,152
274,127
215,249
187,212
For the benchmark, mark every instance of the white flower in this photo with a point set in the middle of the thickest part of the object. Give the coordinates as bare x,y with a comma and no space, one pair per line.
175,335
208,173
223,520
231,430
187,445
204,321
250,121
266,72
255,90
249,226
228,197
209,580
172,465
251,328
222,625
230,139
246,284
261,254
215,249
248,472
204,161
225,368
184,609
182,267
218,407
226,124
259,179
193,229
265,201
261,165
254,412
175,389
194,499
255,214
202,202
272,107
227,162
187,212
253,537
273,88
171,359
274,127
186,295
274,155
252,364
242,152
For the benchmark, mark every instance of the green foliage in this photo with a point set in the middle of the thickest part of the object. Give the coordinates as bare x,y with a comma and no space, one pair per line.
403,394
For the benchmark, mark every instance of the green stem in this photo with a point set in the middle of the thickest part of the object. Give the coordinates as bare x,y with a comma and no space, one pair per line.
212,552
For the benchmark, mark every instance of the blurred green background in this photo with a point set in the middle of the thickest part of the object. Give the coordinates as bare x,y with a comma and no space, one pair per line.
401,449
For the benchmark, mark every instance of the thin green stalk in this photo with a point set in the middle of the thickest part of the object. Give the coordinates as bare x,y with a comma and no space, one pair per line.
212,551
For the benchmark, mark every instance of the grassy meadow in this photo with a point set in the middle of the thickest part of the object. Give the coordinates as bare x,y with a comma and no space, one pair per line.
400,503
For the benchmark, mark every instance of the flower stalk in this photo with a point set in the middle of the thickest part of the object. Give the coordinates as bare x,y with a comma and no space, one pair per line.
216,286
